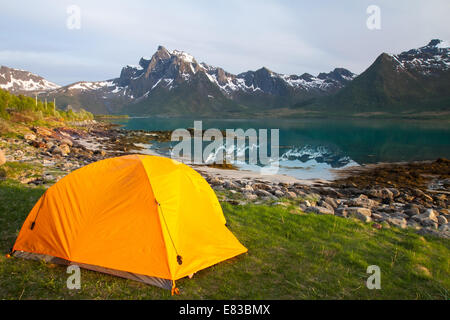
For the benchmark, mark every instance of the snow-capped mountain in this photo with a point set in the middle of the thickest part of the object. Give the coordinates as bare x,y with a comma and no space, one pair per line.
178,77
173,83
17,81
434,57
413,82
169,69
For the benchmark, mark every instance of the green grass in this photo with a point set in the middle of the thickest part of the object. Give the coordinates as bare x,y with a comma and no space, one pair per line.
291,256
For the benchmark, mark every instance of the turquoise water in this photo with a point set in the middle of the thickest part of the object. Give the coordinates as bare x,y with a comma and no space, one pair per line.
310,148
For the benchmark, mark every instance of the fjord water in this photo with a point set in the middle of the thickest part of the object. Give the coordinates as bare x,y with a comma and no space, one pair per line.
311,148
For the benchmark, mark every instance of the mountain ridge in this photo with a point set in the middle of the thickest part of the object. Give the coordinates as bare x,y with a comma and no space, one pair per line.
173,83
417,80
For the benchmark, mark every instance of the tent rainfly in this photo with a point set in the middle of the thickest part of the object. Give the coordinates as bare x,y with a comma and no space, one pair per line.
146,218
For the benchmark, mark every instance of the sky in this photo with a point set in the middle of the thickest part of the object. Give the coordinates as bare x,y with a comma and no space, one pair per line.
291,37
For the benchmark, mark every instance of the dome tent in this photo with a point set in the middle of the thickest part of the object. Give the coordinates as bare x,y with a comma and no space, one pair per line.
146,218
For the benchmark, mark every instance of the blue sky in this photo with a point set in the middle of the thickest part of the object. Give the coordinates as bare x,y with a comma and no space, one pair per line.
290,37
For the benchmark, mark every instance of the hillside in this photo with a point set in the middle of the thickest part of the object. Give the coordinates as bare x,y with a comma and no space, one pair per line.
415,81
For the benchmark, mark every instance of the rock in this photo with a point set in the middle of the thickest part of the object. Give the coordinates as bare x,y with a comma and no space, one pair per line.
264,193
429,231
250,196
48,177
398,222
2,157
430,214
38,144
362,201
29,137
429,223
332,202
324,204
247,188
383,193
413,224
101,153
43,132
319,210
262,186
300,193
291,195
442,220
229,185
67,141
395,192
65,149
279,193
412,212
307,203
216,181
362,214
341,211
49,145
419,193
56,150
377,216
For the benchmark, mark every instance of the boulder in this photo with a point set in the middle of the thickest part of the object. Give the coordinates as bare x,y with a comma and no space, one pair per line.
412,212
420,194
398,222
442,220
216,181
430,214
29,137
383,193
326,205
65,149
332,202
100,152
264,193
43,132
429,223
262,186
413,224
394,191
279,193
362,201
250,196
362,214
319,210
291,195
67,141
247,188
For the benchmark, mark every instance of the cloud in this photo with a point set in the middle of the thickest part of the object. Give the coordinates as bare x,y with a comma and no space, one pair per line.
286,36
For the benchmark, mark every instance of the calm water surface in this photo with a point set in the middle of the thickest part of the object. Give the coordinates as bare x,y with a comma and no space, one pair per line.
309,148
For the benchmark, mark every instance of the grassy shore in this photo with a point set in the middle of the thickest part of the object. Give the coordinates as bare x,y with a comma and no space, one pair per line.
291,256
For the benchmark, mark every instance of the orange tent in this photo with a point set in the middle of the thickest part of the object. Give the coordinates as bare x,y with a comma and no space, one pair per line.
146,218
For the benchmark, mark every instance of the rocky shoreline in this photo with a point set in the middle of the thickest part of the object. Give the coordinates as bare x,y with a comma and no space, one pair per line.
411,195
